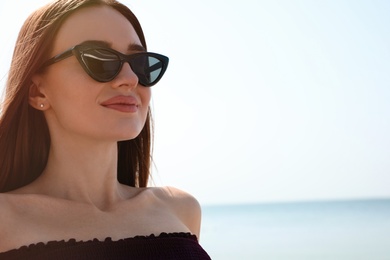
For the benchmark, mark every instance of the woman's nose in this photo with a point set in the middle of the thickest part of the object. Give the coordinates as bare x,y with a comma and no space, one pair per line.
126,77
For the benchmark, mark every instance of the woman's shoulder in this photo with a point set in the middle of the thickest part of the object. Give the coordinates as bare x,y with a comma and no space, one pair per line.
9,218
15,205
174,195
178,200
8,205
185,206
18,203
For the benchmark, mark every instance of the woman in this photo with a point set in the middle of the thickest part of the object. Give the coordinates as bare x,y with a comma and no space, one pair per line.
75,142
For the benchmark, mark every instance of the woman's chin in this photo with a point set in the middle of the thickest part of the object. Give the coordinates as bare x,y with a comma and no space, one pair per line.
127,137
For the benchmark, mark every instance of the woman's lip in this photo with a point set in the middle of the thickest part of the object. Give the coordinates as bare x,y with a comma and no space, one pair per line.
123,107
122,103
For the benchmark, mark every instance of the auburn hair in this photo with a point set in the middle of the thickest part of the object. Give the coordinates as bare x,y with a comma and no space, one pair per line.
24,134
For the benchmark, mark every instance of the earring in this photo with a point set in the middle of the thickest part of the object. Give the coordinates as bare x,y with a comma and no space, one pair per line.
41,105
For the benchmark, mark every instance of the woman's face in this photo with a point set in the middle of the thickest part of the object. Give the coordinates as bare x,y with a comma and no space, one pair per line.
77,105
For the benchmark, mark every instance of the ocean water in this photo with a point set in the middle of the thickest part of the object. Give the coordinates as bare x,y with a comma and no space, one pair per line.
339,230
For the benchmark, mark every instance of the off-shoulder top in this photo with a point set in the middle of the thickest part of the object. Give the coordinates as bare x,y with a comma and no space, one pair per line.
164,246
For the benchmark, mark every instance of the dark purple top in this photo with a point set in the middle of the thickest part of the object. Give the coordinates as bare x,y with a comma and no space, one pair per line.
165,246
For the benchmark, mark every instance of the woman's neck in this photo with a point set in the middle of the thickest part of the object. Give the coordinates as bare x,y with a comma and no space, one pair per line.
82,172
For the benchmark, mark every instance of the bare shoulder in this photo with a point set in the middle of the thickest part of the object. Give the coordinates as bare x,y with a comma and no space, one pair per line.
185,206
177,197
7,208
8,223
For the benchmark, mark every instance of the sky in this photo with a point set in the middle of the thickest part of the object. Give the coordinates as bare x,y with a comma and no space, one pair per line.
263,100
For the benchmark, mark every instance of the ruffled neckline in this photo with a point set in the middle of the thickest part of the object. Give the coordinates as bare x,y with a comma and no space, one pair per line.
74,242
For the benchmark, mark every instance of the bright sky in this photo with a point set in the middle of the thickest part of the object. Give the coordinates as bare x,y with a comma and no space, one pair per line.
264,100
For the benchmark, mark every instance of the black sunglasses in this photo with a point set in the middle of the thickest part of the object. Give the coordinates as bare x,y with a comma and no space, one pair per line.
104,64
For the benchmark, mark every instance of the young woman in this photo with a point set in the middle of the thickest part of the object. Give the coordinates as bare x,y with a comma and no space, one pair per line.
75,142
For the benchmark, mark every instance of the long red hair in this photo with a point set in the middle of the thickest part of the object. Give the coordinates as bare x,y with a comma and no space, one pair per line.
24,134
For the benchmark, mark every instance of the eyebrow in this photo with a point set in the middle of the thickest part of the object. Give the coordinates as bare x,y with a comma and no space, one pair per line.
131,47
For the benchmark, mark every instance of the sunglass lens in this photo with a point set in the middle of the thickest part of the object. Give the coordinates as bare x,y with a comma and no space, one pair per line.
147,68
102,64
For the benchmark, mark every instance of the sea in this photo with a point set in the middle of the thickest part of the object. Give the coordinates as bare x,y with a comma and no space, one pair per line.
322,230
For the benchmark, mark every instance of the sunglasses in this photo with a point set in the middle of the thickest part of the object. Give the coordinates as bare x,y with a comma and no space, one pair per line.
104,64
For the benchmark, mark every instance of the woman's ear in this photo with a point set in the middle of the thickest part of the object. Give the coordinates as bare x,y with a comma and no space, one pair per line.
36,96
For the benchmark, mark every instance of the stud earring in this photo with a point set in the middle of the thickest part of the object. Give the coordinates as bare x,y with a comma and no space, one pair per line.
41,105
